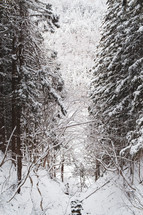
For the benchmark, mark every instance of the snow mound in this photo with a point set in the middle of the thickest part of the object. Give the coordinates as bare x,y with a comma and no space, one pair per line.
40,195
108,196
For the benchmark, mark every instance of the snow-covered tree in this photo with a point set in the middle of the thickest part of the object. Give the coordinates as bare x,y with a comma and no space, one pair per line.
117,86
31,85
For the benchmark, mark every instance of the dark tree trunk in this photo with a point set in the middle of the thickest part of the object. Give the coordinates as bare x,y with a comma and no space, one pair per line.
97,173
2,123
19,154
124,3
62,170
14,75
18,107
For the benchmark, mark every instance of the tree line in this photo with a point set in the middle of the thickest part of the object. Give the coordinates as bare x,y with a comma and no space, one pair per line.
117,91
31,87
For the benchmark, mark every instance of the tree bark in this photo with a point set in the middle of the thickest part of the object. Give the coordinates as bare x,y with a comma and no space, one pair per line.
62,169
19,154
18,107
13,145
2,123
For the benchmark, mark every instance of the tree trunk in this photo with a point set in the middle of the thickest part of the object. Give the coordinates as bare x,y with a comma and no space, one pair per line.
2,123
97,172
62,169
13,146
18,105
19,154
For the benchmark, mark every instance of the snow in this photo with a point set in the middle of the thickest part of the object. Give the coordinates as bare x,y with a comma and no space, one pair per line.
30,201
111,198
76,39
122,152
140,29
136,148
41,195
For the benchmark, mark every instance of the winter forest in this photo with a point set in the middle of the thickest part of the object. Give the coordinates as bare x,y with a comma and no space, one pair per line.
71,107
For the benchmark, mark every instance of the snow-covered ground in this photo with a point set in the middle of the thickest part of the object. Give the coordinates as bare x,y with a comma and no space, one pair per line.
113,198
41,195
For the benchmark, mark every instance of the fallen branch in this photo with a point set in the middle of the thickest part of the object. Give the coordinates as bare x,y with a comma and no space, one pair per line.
21,184
95,191
77,124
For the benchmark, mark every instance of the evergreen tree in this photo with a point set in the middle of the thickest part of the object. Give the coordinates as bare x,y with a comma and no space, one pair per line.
30,87
117,87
